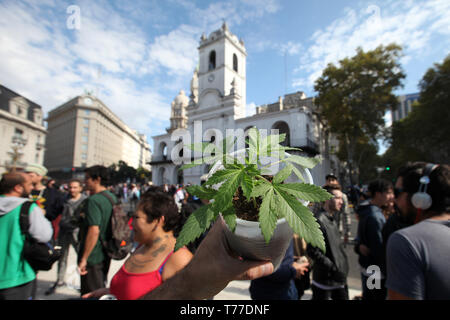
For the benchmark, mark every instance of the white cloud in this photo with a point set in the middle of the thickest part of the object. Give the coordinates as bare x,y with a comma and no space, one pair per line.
134,70
291,48
176,51
411,25
109,40
250,109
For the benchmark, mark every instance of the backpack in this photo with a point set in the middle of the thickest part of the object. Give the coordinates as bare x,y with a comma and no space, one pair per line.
121,242
39,255
73,222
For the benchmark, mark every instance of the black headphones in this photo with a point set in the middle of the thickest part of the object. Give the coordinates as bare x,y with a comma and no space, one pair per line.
421,199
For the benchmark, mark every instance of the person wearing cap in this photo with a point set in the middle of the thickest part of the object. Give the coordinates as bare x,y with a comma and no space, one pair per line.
49,199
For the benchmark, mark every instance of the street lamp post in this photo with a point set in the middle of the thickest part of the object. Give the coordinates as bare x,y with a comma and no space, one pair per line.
17,144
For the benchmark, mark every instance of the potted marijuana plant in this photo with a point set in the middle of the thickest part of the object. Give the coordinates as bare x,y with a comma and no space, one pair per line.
249,189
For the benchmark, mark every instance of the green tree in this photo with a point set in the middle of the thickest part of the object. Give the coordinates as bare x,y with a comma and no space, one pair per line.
143,175
424,135
121,172
366,161
354,96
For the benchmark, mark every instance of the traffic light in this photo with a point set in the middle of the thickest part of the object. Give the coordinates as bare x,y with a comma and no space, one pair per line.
388,168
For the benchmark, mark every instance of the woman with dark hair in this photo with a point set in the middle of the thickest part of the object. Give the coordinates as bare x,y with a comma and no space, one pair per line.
154,223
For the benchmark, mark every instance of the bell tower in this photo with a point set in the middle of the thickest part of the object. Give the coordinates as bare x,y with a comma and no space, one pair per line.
222,69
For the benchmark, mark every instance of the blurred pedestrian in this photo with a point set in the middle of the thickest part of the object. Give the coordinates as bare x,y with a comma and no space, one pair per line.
331,268
48,199
302,282
417,256
69,229
93,262
134,197
17,277
154,261
280,285
343,217
369,244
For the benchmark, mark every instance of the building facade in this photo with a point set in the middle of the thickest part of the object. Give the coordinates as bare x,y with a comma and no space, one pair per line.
404,106
217,103
84,132
23,134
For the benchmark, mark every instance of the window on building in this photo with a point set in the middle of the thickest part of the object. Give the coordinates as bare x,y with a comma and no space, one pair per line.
18,132
212,60
235,62
87,112
84,147
283,127
86,130
84,139
84,156
86,121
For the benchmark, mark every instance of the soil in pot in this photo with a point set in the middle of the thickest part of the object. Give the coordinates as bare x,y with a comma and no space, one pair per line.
246,209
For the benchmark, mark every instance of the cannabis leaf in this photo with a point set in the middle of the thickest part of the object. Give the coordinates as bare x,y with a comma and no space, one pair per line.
201,192
304,162
277,199
300,219
267,219
197,223
308,192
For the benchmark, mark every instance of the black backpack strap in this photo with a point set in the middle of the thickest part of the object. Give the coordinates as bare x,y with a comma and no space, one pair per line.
106,195
24,219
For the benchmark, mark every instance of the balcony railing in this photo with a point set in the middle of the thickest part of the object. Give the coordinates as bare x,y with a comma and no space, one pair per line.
309,146
160,158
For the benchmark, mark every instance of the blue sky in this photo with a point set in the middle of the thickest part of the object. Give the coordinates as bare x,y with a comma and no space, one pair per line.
137,55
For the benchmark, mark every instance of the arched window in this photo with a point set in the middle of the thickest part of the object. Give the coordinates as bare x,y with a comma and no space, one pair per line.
235,62
179,178
283,127
162,176
246,135
212,60
163,150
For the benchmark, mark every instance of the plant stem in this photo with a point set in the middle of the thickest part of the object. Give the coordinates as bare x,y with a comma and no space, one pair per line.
264,179
272,164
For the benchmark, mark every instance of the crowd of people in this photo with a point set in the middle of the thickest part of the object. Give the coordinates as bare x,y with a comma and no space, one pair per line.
402,240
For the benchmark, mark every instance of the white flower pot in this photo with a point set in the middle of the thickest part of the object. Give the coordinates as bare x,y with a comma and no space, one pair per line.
248,242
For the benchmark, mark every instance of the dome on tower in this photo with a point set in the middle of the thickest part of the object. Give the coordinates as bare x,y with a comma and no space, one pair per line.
181,99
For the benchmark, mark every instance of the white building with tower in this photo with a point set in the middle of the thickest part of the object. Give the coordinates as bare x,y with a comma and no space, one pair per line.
218,101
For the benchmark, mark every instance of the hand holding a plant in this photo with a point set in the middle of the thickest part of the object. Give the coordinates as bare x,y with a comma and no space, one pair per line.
209,272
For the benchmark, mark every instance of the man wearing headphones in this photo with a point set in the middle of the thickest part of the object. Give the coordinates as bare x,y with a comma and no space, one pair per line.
417,256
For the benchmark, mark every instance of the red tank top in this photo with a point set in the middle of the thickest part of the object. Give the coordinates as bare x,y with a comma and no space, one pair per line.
131,286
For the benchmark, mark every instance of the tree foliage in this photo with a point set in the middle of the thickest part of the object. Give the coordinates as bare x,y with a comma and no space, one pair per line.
424,135
122,172
354,96
366,160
